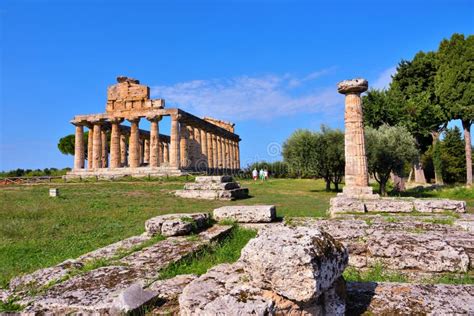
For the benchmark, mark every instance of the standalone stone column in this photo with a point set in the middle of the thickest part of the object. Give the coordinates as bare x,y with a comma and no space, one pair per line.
97,146
155,148
174,146
134,143
210,148
123,150
90,147
356,174
204,148
79,154
115,154
183,144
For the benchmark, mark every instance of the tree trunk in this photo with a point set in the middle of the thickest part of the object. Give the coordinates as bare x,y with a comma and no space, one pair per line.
328,185
382,190
336,186
436,158
466,125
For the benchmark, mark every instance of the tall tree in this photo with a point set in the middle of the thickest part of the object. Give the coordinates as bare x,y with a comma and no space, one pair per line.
454,84
452,155
414,83
388,149
66,144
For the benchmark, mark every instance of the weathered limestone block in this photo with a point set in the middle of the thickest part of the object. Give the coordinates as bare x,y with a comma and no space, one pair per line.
234,194
466,221
409,299
210,179
176,224
343,204
427,252
298,263
42,277
131,299
246,213
439,205
112,250
171,288
211,186
224,290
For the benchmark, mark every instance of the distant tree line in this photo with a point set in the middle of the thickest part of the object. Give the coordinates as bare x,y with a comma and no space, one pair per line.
34,172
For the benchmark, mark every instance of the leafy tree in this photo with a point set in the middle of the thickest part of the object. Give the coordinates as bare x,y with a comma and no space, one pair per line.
414,84
298,152
381,107
66,144
388,149
321,154
454,85
452,155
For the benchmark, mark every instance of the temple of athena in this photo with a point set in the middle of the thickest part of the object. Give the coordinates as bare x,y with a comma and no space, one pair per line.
114,150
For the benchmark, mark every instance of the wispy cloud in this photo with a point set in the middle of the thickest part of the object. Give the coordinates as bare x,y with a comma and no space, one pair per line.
247,97
384,79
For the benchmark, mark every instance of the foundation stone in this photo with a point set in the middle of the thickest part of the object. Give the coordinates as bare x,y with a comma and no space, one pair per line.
246,213
213,188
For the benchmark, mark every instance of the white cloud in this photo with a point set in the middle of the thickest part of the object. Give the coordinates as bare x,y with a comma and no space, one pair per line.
247,97
384,79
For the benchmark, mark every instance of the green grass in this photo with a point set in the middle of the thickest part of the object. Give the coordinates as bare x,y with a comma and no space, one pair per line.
10,306
226,251
37,231
377,273
452,278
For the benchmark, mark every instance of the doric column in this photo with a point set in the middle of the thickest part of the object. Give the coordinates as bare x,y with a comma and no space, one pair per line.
155,148
219,153
183,145
210,154
204,148
146,153
134,143
231,155
141,150
356,174
225,153
174,146
90,146
115,154
215,159
166,153
237,154
197,148
97,146
105,149
79,154
123,150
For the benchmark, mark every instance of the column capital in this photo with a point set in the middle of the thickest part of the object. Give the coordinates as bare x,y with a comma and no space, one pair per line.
115,120
154,118
353,86
79,122
133,119
99,121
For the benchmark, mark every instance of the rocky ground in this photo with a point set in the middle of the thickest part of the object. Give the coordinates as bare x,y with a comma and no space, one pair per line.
293,267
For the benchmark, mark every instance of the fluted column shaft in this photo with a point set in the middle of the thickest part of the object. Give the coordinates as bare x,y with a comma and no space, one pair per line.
219,153
166,152
232,154
90,148
204,148
146,153
79,154
183,143
123,150
237,155
105,150
115,154
155,147
210,148
215,159
134,143
97,146
174,146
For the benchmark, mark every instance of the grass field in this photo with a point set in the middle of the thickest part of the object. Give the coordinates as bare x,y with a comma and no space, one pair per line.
38,231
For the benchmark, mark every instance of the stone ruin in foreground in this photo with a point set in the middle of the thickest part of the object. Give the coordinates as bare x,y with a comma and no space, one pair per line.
357,195
213,188
194,144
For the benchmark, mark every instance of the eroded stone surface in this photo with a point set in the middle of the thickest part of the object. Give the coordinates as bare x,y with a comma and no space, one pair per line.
344,204
176,224
171,288
409,299
246,213
213,179
112,250
415,245
213,188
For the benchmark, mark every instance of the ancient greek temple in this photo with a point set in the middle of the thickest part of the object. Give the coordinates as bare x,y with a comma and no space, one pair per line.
194,144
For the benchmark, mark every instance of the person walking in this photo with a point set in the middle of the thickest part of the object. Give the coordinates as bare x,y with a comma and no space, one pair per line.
261,175
265,174
254,174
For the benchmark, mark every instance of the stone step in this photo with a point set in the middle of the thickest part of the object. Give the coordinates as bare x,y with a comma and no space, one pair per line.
210,179
214,194
176,224
211,186
246,213
98,291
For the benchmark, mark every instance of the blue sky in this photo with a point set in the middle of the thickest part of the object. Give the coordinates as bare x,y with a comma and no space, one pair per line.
269,66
